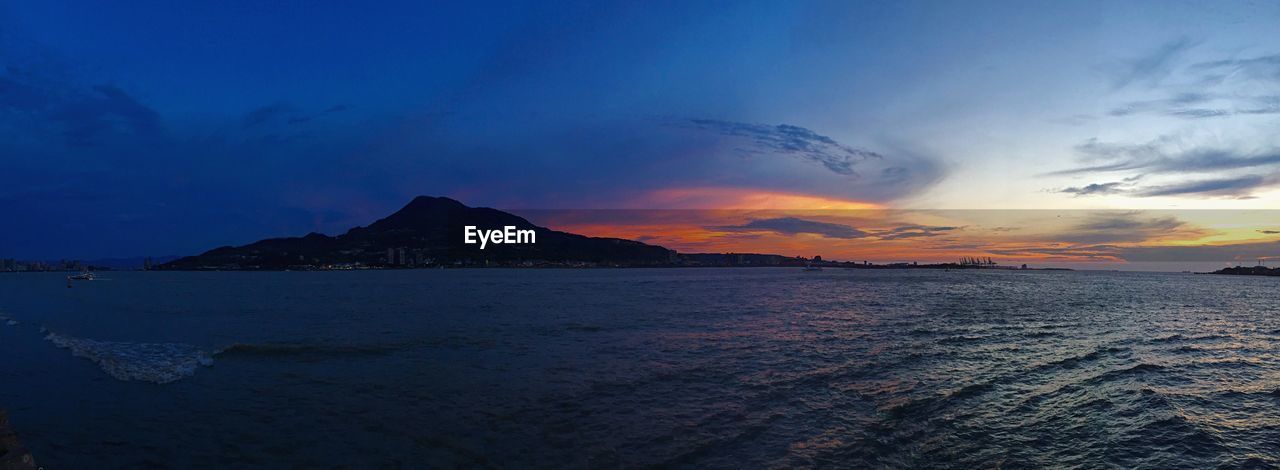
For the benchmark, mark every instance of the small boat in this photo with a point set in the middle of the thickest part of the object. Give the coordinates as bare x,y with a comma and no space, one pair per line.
810,267
84,276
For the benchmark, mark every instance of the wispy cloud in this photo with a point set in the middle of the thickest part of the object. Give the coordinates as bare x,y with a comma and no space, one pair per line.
913,231
1263,67
1240,187
1178,101
794,226
1095,189
1150,68
1216,169
289,113
1124,227
796,141
266,113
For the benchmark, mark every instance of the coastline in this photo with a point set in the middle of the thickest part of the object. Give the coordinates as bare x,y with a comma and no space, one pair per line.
13,455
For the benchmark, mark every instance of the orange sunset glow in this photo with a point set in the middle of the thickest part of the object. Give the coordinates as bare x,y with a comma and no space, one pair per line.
783,225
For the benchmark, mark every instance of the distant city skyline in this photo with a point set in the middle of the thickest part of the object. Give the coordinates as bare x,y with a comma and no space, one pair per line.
154,128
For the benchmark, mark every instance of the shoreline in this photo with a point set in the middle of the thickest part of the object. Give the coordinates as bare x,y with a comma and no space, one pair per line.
13,455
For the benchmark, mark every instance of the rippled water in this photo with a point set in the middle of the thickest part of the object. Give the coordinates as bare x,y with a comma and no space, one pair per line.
684,367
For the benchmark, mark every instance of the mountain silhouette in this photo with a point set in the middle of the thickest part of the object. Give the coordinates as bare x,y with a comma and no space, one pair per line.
427,232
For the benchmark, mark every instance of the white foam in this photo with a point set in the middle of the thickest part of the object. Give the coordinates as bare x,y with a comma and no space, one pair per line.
159,363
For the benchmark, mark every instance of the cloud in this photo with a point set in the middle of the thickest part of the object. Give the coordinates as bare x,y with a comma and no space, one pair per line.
794,226
84,118
795,141
1095,189
1240,187
1199,113
1269,232
1180,100
1150,68
1071,253
913,231
1167,156
1223,88
1123,227
1239,252
1265,67
1228,105
271,112
36,104
266,113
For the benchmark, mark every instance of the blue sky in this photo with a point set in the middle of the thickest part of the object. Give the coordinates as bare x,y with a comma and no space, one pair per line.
173,127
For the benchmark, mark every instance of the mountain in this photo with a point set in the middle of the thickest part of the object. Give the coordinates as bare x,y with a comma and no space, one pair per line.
428,231
1249,271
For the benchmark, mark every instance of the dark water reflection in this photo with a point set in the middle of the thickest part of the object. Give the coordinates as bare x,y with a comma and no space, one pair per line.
693,367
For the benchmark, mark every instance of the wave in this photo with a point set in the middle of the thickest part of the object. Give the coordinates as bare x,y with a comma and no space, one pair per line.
159,363
304,349
163,363
1177,337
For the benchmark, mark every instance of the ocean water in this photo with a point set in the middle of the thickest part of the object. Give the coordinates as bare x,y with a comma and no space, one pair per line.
721,368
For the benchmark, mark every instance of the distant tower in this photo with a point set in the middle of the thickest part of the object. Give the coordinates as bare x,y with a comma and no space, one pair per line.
391,256
404,258
146,264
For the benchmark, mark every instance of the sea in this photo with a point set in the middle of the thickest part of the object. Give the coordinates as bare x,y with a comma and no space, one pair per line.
621,368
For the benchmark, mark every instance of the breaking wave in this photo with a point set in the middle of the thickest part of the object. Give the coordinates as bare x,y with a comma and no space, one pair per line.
163,363
159,363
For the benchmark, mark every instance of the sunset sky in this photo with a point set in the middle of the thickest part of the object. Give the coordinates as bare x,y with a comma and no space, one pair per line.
1113,132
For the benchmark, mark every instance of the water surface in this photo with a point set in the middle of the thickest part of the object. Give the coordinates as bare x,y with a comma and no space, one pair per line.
675,367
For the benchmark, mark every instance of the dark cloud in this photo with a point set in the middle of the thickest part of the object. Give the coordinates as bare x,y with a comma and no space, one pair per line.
16,95
1239,187
1128,221
1122,227
795,141
37,105
1095,189
913,231
1068,252
290,114
84,118
1269,232
1244,253
794,226
266,113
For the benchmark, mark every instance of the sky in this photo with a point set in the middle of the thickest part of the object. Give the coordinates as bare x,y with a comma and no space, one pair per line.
1118,132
